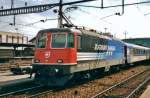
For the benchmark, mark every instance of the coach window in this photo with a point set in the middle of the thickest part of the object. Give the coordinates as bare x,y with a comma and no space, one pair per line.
144,52
41,42
134,51
79,42
70,40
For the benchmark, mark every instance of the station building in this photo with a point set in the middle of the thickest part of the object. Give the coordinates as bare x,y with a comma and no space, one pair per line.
10,37
14,45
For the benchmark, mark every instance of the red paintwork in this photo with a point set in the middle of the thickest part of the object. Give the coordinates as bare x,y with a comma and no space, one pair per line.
68,55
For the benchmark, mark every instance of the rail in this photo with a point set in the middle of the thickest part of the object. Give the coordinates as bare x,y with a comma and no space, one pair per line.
138,88
19,91
118,84
38,94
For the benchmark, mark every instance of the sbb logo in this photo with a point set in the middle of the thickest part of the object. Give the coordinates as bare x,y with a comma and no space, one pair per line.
47,54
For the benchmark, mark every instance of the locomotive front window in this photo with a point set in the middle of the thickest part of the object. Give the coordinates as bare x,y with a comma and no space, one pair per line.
70,40
58,40
41,42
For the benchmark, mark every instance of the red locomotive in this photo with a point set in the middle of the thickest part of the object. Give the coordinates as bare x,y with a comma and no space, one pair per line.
63,53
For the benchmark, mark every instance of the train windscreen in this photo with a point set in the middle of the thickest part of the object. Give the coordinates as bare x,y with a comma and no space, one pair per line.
41,42
62,40
58,40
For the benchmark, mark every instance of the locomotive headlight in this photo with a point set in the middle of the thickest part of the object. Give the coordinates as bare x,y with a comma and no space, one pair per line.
56,70
46,60
59,61
36,61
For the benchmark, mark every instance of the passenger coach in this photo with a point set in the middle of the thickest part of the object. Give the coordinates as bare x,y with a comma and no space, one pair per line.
136,53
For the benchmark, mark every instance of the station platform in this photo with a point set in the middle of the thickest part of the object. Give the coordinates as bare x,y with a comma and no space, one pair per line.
146,93
7,78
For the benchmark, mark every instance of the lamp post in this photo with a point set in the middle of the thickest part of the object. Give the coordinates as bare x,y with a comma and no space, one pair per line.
105,29
125,35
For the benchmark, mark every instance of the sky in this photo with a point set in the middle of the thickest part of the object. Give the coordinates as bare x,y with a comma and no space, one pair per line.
134,22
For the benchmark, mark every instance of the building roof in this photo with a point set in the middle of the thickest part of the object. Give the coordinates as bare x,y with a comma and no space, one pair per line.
11,33
33,39
139,41
16,45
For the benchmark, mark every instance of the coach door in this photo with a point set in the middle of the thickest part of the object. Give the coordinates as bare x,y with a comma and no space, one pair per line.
125,54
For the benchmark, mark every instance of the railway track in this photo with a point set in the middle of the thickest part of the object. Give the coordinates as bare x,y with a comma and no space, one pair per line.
136,92
75,93
40,94
17,87
20,91
126,88
85,90
31,92
47,94
26,92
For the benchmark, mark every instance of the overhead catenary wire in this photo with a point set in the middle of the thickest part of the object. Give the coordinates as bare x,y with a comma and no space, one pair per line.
119,5
28,25
39,21
101,19
147,14
11,24
139,9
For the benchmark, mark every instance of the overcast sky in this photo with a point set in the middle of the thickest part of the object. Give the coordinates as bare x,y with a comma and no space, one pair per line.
133,21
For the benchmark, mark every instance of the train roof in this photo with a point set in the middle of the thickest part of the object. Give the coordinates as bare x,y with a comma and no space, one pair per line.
136,46
80,31
59,30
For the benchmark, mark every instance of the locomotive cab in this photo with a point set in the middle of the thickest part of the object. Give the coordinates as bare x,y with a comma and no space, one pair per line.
54,54
55,48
